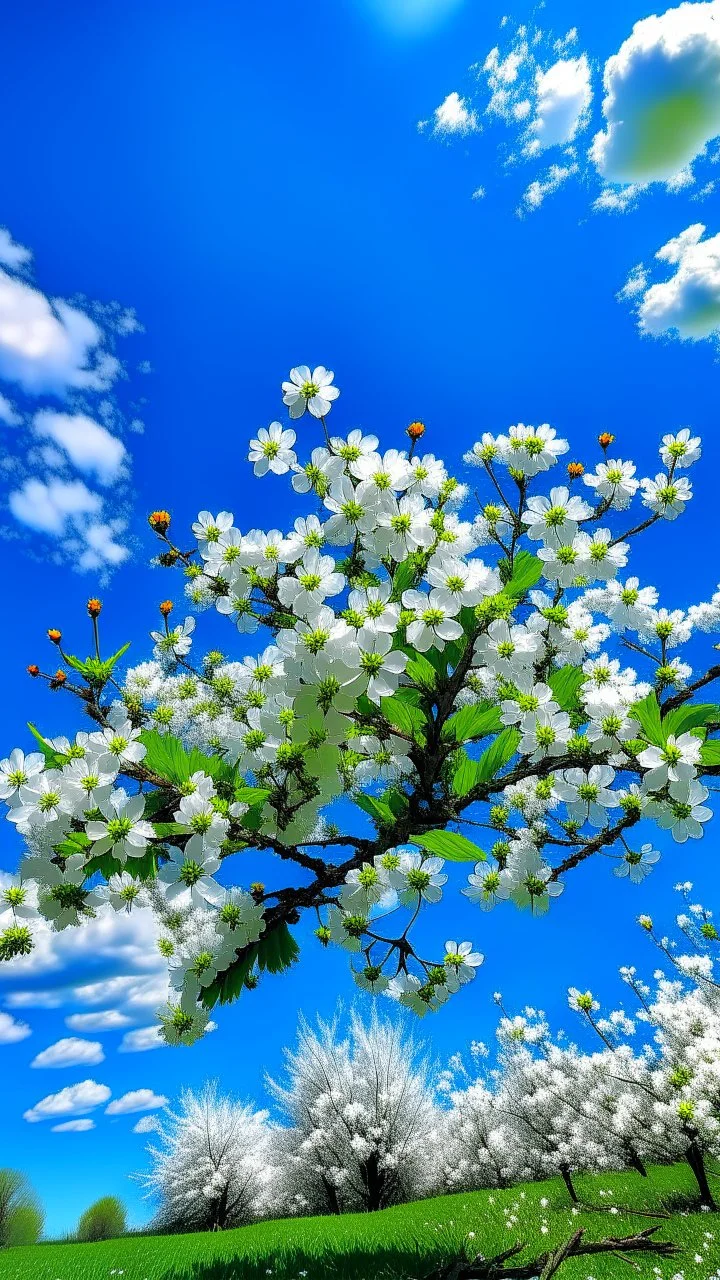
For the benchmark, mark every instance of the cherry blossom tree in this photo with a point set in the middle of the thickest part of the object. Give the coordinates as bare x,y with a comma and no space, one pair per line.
212,1168
362,1121
420,665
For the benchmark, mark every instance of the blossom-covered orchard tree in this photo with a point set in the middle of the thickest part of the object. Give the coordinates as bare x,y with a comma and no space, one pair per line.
212,1168
362,1120
651,1093
438,666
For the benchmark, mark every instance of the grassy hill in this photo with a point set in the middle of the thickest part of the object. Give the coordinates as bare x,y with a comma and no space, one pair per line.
405,1242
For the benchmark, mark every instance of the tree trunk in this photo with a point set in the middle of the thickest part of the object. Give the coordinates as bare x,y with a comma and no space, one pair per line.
374,1183
565,1171
221,1211
636,1163
694,1157
331,1193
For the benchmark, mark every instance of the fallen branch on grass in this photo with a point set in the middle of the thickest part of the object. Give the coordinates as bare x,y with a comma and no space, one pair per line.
548,1264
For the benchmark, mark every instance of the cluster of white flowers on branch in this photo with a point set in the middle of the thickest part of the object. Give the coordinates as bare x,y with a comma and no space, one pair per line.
367,1121
409,680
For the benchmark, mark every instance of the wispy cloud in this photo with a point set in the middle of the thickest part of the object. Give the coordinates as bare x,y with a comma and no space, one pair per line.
67,465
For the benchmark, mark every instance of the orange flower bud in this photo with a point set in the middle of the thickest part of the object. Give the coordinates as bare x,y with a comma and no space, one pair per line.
54,635
575,470
58,679
159,521
94,607
166,607
33,669
415,430
605,439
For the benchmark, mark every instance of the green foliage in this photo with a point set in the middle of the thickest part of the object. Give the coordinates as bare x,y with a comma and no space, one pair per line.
473,722
21,1214
421,671
449,845
565,684
166,756
53,759
96,671
647,714
469,773
275,951
403,711
106,1219
380,812
691,716
710,753
526,573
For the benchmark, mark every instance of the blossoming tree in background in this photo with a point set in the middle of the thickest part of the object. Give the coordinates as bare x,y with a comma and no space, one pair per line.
433,665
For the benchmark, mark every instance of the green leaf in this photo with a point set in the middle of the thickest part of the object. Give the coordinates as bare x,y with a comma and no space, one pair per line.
710,753
475,721
251,795
74,842
497,754
691,716
155,801
53,759
404,577
464,773
277,949
647,714
166,756
165,829
450,845
229,985
396,801
377,809
526,573
404,714
565,684
76,663
420,671
216,767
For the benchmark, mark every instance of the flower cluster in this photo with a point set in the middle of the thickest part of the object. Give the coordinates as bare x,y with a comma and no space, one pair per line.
442,670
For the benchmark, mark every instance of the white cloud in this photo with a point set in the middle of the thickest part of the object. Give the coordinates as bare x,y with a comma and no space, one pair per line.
687,306
618,199
49,346
70,1052
90,446
546,185
103,1020
11,254
8,414
662,96
11,1030
454,115
75,1100
146,1124
73,1126
49,507
136,1100
142,1039
101,546
563,96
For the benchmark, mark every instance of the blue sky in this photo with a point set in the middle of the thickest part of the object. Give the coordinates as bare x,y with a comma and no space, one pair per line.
254,186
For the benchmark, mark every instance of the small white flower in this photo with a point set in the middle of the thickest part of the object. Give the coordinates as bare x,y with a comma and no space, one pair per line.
312,391
272,450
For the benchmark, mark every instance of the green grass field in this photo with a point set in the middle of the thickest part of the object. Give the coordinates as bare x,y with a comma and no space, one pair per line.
404,1243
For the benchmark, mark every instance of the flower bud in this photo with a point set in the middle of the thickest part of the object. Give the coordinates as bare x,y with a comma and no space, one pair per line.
416,430
605,439
94,607
166,607
575,470
33,669
257,889
167,559
159,521
58,679
54,635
